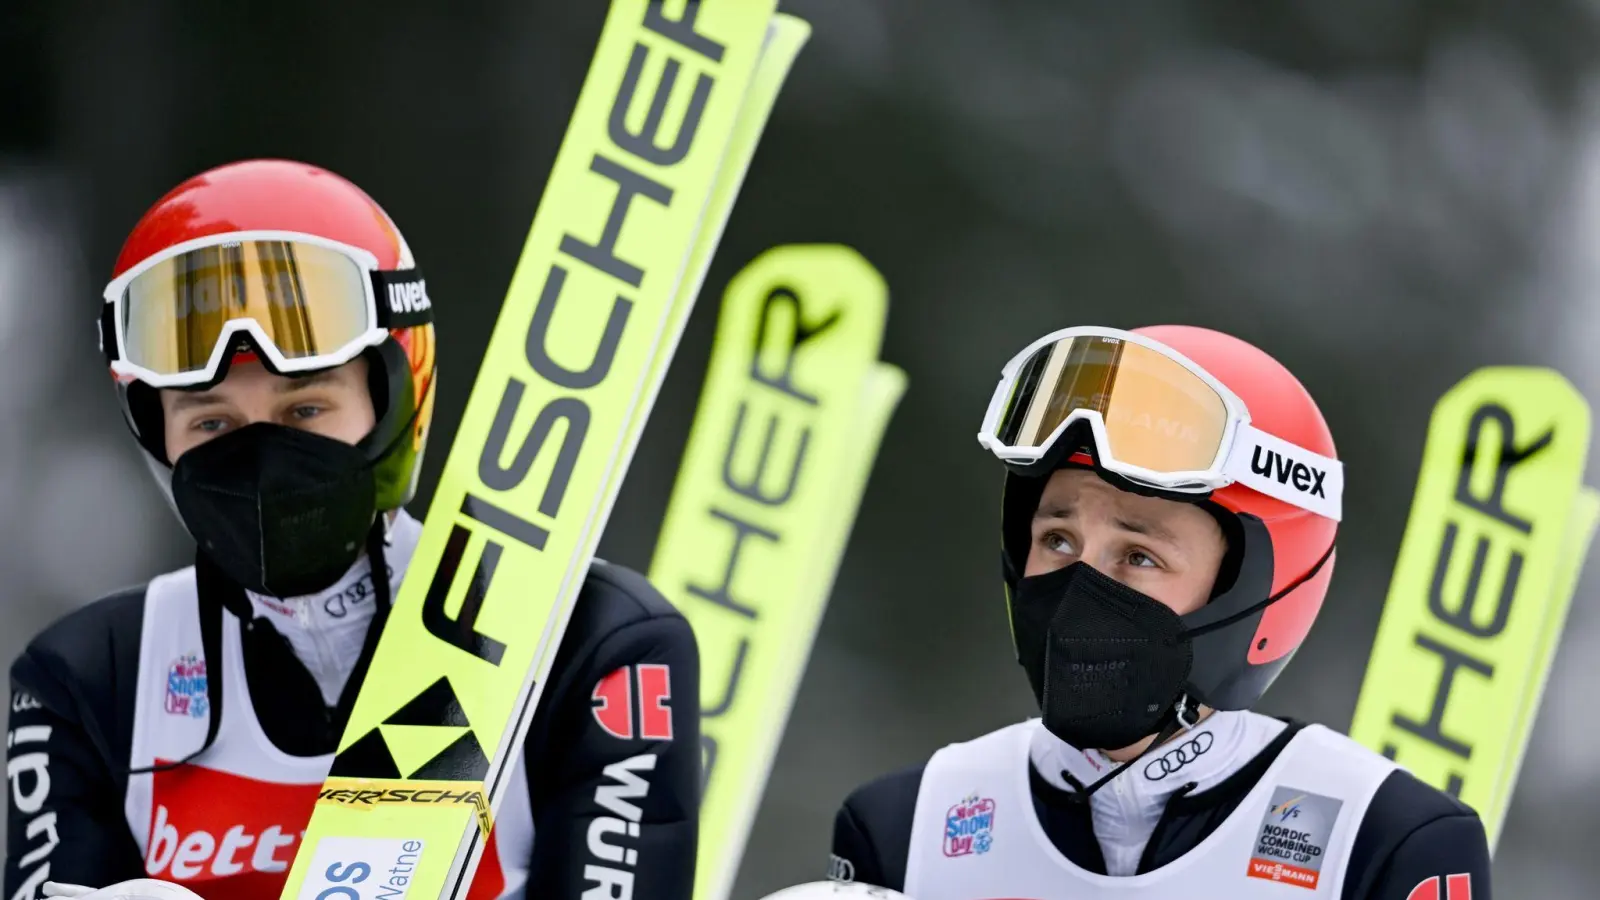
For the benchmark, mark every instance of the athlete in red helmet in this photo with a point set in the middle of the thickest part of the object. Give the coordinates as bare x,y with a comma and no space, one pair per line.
273,345
1171,502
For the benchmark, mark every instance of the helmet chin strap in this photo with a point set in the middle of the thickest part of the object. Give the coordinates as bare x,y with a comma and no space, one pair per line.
1184,715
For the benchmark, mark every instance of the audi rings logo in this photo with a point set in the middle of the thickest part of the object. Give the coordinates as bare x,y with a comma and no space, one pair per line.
1171,761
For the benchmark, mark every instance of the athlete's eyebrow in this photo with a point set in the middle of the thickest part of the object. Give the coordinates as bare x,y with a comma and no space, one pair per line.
1147,528
1059,510
182,400
286,385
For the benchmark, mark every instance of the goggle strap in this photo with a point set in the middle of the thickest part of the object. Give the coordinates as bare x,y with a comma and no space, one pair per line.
401,298
1287,472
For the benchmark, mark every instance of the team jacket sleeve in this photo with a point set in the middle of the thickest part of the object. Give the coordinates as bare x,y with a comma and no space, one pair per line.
872,831
64,819
1446,859
854,858
617,813
1417,843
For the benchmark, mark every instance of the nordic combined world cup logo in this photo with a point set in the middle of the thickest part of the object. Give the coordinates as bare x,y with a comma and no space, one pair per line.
186,687
969,826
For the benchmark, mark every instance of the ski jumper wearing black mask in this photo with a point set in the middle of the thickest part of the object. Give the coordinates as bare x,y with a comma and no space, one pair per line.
1222,802
180,730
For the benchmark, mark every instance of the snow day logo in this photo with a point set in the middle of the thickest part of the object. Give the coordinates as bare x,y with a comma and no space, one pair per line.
969,826
186,687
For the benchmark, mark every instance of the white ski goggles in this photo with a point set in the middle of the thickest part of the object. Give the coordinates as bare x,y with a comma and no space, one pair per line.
303,302
1156,418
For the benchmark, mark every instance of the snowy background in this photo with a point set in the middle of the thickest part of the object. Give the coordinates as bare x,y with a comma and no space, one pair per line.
1385,194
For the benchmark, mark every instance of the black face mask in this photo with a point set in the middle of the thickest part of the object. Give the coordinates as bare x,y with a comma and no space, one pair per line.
281,511
1107,664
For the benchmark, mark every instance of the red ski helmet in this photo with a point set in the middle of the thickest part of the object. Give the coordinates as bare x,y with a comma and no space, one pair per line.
1279,562
288,248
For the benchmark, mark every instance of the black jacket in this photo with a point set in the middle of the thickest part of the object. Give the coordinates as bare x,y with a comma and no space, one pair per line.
77,679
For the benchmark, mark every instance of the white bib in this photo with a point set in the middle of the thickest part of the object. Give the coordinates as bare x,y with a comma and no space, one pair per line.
228,824
975,835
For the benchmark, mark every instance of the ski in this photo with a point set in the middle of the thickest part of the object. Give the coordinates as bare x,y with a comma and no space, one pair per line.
793,408
1499,527
584,337
786,37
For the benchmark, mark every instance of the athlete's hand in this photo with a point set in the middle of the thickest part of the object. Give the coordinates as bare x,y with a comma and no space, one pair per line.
137,889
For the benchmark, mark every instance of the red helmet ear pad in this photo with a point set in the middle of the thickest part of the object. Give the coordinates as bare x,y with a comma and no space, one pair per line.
1235,664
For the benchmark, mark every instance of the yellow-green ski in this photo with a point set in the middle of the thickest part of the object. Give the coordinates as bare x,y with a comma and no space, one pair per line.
794,405
581,343
1498,532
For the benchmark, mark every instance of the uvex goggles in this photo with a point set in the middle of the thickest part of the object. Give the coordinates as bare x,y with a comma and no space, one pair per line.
302,301
1156,419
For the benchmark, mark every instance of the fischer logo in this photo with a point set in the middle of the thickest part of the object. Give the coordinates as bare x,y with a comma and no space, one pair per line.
28,770
569,403
1456,887
200,854
611,874
357,792
410,297
635,694
1175,759
1280,468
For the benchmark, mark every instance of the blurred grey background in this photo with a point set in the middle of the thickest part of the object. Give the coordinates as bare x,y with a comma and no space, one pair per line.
1385,194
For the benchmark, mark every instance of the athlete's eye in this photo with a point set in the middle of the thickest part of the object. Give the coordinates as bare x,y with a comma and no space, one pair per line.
305,411
1142,560
210,426
1057,542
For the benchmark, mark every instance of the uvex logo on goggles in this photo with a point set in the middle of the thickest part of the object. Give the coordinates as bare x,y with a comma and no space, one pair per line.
1287,472
1283,470
409,297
